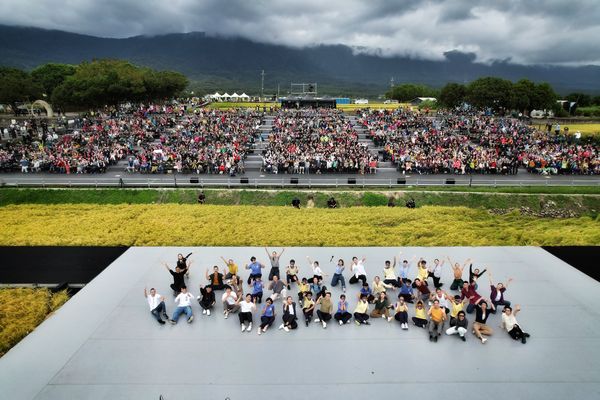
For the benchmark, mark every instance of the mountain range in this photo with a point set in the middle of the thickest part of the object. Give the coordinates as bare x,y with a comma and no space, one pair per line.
235,64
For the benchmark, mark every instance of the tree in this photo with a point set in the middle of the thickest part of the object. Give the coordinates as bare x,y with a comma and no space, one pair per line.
491,92
544,97
582,99
524,92
17,86
49,76
453,95
409,91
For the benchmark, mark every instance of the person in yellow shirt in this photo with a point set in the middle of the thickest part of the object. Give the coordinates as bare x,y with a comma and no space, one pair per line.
308,307
422,272
456,305
420,318
303,288
361,312
232,268
437,317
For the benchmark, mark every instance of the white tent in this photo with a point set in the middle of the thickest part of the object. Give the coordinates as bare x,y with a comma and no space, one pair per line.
235,96
226,96
244,96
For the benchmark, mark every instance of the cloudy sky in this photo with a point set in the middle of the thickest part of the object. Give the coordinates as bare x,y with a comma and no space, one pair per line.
525,31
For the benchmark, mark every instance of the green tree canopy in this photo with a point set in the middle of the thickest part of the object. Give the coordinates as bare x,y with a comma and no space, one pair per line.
582,99
17,86
453,95
49,76
491,92
409,91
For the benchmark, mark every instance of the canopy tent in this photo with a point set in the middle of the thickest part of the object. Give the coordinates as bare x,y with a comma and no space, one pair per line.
244,96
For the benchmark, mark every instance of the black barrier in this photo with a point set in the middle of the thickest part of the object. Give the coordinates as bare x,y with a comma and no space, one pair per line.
294,181
244,180
450,181
401,181
351,181
194,179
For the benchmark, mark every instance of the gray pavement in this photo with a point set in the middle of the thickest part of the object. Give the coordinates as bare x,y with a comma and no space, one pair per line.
104,344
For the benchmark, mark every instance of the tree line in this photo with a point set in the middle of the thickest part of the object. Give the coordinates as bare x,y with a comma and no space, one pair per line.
494,93
89,85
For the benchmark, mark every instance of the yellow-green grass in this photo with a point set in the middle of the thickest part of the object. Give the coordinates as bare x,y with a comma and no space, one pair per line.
22,310
379,106
208,225
585,129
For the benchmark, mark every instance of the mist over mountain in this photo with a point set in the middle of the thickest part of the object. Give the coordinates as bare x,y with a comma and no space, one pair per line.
216,63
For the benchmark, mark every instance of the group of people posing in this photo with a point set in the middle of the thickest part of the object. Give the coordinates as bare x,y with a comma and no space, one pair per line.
391,296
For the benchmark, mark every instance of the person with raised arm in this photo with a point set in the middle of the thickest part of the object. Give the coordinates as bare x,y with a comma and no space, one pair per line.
497,293
404,268
247,306
468,292
475,274
156,302
183,263
274,259
215,279
379,286
338,275
232,268
361,312
267,317
382,307
317,289
435,272
456,305
342,315
358,270
457,271
257,289
406,291
178,278
255,269
437,317
290,316
480,327
509,322
389,273
422,272
237,285
316,269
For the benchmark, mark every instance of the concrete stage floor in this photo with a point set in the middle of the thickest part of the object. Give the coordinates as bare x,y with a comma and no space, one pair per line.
104,344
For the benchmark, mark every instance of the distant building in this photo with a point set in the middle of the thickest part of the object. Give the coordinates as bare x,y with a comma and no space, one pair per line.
342,100
361,101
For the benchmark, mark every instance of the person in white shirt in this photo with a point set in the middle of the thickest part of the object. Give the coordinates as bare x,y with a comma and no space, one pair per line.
317,271
156,302
184,305
358,268
509,322
230,304
435,272
247,306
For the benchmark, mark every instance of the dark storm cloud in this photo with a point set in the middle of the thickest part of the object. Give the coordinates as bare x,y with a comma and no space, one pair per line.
527,31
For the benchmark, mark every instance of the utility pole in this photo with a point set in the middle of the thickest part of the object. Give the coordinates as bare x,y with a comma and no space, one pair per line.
278,91
392,82
262,85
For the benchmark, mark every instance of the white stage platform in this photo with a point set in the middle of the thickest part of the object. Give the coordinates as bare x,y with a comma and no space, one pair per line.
104,343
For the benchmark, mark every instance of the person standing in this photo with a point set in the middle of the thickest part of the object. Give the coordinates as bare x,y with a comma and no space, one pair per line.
361,312
247,306
437,317
458,326
268,316
156,302
274,259
509,322
338,275
290,316
184,305
326,309
255,269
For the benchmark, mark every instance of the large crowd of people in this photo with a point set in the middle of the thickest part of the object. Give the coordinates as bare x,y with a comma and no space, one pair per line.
413,294
171,138
315,141
465,142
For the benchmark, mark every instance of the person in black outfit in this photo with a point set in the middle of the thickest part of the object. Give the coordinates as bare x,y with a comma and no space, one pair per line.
207,301
332,203
290,316
296,202
182,262
215,280
178,276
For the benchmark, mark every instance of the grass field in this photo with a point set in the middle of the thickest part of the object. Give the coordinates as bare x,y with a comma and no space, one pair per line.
24,309
211,225
225,105
585,129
